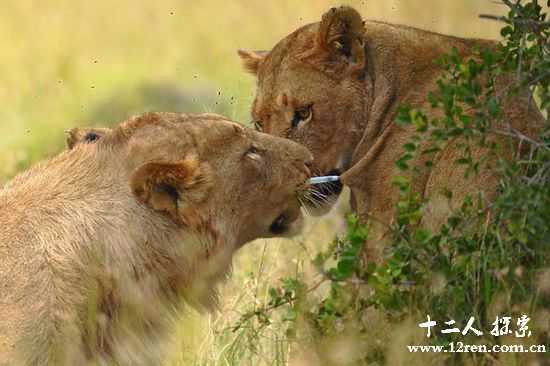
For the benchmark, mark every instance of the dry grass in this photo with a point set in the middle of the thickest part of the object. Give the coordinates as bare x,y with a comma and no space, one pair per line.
62,61
72,62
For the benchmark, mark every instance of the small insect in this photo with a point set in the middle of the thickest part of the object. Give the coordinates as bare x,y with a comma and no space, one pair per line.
325,179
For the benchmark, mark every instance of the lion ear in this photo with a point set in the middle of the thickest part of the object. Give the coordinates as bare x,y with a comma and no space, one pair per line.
170,186
341,33
85,135
252,60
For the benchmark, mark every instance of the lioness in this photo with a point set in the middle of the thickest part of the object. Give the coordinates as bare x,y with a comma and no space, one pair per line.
98,244
335,86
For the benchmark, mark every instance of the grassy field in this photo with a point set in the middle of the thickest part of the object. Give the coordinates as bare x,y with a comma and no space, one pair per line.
76,63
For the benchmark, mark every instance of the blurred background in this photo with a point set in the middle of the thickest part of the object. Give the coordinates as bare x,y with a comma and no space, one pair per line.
68,63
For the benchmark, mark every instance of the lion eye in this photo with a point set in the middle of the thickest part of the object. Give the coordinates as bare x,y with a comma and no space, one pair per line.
91,137
253,153
302,115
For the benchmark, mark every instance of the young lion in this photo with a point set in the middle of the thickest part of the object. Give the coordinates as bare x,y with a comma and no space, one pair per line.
334,86
99,243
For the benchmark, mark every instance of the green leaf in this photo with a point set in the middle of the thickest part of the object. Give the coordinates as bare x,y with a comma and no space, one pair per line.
493,107
506,31
346,267
410,147
402,161
422,235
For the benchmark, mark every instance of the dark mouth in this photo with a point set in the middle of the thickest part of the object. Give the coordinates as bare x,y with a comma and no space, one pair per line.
330,188
279,225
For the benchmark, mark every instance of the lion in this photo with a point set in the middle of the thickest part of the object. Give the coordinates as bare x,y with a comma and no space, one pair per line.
335,87
101,242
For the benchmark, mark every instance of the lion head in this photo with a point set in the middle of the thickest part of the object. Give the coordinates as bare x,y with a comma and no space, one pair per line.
310,88
200,169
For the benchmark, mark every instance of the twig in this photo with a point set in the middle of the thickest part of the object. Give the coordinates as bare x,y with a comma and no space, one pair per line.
519,135
536,23
266,309
494,17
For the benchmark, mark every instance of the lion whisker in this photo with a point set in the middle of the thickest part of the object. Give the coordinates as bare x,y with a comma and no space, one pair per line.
319,195
304,206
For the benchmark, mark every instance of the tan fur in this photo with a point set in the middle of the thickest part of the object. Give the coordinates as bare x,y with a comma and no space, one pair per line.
100,243
354,74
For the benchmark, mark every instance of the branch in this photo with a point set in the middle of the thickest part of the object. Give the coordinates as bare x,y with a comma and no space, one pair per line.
518,135
266,309
532,22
